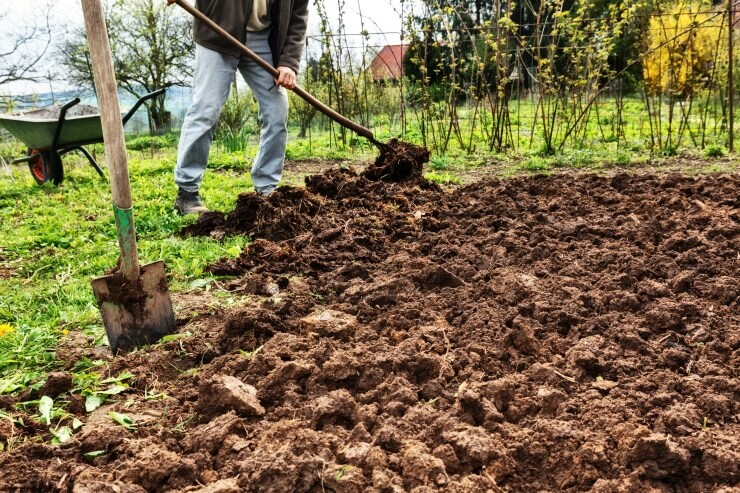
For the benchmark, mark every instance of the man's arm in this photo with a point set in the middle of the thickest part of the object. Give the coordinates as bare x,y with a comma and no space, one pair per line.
296,37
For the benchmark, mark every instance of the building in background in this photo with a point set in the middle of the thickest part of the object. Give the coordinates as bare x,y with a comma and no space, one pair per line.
388,63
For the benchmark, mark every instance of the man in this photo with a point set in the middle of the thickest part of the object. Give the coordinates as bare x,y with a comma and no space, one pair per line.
276,31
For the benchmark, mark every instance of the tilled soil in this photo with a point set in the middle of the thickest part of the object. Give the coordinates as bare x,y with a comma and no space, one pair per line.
575,333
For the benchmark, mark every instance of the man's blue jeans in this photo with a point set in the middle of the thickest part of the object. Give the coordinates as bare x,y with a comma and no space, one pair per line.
214,73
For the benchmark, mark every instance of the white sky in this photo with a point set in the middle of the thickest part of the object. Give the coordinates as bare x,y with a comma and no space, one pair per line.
377,16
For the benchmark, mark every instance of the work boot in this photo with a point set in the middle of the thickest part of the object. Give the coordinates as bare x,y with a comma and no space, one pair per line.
189,203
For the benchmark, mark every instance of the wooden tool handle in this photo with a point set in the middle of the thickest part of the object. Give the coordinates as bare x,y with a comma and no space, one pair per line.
113,138
308,97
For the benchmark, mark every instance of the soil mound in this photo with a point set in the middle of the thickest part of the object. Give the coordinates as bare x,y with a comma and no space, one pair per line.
400,161
332,182
282,215
290,212
532,334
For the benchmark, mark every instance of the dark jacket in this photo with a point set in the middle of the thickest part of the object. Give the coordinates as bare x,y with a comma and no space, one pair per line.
287,32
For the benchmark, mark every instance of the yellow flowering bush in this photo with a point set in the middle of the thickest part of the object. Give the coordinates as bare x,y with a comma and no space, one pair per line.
683,47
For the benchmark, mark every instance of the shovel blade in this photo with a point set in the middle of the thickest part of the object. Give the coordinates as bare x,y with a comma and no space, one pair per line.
135,313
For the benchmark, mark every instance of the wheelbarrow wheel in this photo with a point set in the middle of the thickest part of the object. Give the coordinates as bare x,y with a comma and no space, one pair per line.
43,168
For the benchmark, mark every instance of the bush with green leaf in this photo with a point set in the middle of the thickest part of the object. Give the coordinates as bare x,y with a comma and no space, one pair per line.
152,142
239,120
714,151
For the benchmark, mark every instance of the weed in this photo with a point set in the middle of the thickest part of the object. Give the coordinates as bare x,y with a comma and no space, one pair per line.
182,426
232,160
622,158
93,454
714,151
439,163
669,151
250,354
535,163
235,140
346,468
150,395
123,420
148,142
443,178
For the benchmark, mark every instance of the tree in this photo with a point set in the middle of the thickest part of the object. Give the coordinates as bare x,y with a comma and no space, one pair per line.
151,44
23,49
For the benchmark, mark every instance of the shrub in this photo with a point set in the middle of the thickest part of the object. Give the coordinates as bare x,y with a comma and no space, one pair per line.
536,163
439,163
669,150
147,142
714,150
239,120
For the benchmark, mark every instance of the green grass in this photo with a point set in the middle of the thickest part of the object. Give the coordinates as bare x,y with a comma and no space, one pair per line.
443,178
54,240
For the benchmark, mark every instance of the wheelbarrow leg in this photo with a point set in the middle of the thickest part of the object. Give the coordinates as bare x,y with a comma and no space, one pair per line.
89,157
55,155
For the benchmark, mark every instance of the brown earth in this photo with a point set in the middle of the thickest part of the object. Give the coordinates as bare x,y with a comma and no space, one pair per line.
574,333
53,112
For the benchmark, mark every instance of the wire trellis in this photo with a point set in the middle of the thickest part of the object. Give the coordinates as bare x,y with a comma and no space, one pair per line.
505,88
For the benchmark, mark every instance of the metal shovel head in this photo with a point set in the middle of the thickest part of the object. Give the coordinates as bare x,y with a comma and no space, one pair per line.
135,313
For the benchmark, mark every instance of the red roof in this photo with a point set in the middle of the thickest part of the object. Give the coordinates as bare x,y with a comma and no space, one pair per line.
388,63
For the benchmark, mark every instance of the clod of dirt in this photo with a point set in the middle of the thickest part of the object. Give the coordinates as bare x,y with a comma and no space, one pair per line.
420,467
336,408
93,486
661,456
226,393
400,162
211,435
151,465
282,215
330,183
228,485
57,383
207,224
330,323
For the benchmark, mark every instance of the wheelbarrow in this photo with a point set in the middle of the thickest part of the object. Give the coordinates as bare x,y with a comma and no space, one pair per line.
51,132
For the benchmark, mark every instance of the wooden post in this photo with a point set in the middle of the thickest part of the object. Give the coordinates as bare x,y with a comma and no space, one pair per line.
730,81
113,137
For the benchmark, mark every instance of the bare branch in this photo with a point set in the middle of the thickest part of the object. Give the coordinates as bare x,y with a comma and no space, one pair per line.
24,48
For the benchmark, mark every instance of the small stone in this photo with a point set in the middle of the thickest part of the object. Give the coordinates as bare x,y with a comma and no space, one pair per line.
604,386
228,485
92,486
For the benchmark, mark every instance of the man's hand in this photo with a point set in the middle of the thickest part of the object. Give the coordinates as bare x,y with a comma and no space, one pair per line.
287,76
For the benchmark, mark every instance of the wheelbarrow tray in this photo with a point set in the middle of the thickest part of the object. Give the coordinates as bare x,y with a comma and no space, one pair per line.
36,128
